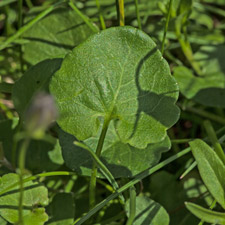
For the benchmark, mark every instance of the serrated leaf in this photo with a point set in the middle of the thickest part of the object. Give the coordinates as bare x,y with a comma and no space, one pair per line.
121,159
207,89
211,169
56,214
55,35
148,212
117,74
206,215
34,195
34,80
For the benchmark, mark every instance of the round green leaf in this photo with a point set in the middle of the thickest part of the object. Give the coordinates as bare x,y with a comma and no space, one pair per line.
54,35
117,74
121,159
207,89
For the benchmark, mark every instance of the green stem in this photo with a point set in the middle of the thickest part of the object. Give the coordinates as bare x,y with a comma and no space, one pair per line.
132,206
101,18
206,114
20,23
94,169
138,14
121,12
166,25
187,50
20,13
83,17
191,167
136,179
102,167
29,4
213,138
22,158
28,26
27,179
181,141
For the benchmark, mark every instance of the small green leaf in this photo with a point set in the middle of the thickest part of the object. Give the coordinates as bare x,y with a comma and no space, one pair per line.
55,35
206,215
36,217
36,79
209,88
34,195
117,74
148,212
43,156
59,216
211,169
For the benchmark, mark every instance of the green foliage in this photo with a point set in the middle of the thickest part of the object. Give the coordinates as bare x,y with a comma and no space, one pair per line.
149,212
36,79
59,216
124,88
211,169
207,89
117,115
35,197
121,159
206,215
54,35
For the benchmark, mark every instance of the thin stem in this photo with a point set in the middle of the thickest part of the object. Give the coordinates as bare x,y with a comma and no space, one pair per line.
102,167
20,23
94,169
28,26
191,167
207,115
83,17
138,14
29,4
121,12
101,18
22,158
181,141
132,206
213,138
166,25
27,179
20,13
136,179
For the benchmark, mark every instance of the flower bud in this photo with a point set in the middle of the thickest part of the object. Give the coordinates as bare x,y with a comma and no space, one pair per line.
41,113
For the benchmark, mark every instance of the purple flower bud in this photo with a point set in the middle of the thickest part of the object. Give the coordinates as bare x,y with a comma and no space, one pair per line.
41,113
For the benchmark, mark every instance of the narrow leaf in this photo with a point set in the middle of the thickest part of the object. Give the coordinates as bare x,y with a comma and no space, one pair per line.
211,169
206,215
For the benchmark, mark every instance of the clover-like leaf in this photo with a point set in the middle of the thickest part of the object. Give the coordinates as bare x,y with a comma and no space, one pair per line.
207,89
34,195
117,74
55,35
